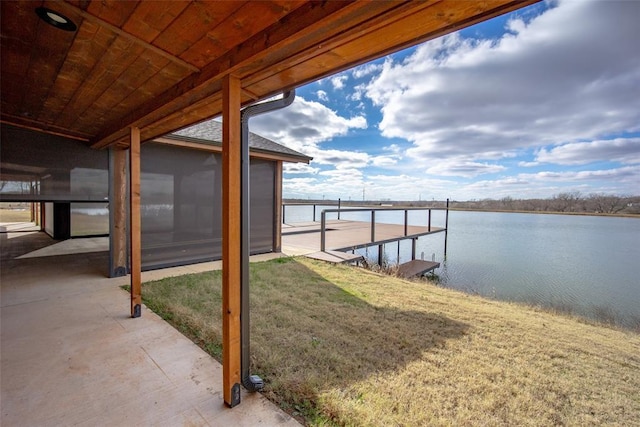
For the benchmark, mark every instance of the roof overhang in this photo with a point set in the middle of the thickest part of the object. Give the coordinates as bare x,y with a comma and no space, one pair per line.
159,65
216,147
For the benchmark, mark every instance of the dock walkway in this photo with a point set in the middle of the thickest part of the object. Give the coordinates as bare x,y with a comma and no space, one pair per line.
343,235
416,267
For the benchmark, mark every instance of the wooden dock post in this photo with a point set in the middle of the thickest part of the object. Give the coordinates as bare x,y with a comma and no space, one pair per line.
373,226
323,235
406,222
413,249
380,254
446,228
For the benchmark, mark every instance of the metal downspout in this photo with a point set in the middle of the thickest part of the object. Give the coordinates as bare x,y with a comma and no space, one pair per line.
250,382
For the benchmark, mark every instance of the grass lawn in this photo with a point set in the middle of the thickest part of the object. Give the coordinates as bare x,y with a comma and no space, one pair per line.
345,346
12,215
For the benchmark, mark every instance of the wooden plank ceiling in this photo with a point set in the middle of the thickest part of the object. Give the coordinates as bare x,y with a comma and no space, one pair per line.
159,65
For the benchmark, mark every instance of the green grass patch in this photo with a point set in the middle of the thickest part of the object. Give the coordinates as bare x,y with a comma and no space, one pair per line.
337,345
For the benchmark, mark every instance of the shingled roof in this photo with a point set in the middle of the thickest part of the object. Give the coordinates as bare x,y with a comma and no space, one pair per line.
210,133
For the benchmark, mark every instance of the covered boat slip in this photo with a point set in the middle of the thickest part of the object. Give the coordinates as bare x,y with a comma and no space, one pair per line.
117,74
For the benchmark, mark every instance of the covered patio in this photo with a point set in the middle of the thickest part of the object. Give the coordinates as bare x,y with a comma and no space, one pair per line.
113,75
72,356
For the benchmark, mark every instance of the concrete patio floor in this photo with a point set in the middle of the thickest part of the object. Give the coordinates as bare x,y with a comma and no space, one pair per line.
71,355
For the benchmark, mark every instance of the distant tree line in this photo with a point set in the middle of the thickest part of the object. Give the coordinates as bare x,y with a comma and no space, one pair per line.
568,202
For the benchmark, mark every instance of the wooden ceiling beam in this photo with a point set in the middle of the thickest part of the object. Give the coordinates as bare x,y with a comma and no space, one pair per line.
382,32
313,41
26,123
138,64
308,18
147,46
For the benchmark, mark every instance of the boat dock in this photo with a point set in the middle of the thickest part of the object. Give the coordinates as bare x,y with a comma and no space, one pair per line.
333,240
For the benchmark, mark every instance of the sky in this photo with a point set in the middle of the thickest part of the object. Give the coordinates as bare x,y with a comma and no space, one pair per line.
542,101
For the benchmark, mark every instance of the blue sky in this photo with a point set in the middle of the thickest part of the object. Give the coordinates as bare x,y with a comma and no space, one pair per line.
531,104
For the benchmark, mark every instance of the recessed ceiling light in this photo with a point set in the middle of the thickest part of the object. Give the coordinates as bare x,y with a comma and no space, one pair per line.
56,19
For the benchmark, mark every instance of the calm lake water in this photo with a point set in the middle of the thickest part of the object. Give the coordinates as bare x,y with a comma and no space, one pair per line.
586,265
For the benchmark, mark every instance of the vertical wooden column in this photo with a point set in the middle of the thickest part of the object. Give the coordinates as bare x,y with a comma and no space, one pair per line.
277,209
231,235
118,212
134,223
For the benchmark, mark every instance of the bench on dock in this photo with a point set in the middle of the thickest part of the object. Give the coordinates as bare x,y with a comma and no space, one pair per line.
416,267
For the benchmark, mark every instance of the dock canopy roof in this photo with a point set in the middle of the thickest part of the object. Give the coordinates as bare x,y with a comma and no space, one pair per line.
90,70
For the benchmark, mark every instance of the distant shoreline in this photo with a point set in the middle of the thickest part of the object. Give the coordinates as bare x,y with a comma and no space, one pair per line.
441,205
619,215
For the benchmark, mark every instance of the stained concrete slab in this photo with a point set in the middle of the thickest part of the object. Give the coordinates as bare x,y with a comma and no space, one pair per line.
71,246
18,226
71,355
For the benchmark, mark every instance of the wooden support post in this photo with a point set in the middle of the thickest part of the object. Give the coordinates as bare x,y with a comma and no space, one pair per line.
118,213
231,235
134,223
380,254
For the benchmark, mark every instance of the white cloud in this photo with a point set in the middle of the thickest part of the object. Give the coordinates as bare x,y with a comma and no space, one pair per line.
528,164
394,148
299,168
341,159
304,124
563,91
549,81
358,91
383,161
343,175
339,81
623,150
322,95
297,181
468,169
627,174
365,70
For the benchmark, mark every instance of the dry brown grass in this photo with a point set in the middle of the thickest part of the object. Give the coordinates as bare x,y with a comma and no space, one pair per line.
13,215
89,225
345,346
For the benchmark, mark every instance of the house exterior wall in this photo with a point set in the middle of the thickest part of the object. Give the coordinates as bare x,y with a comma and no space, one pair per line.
181,205
180,195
